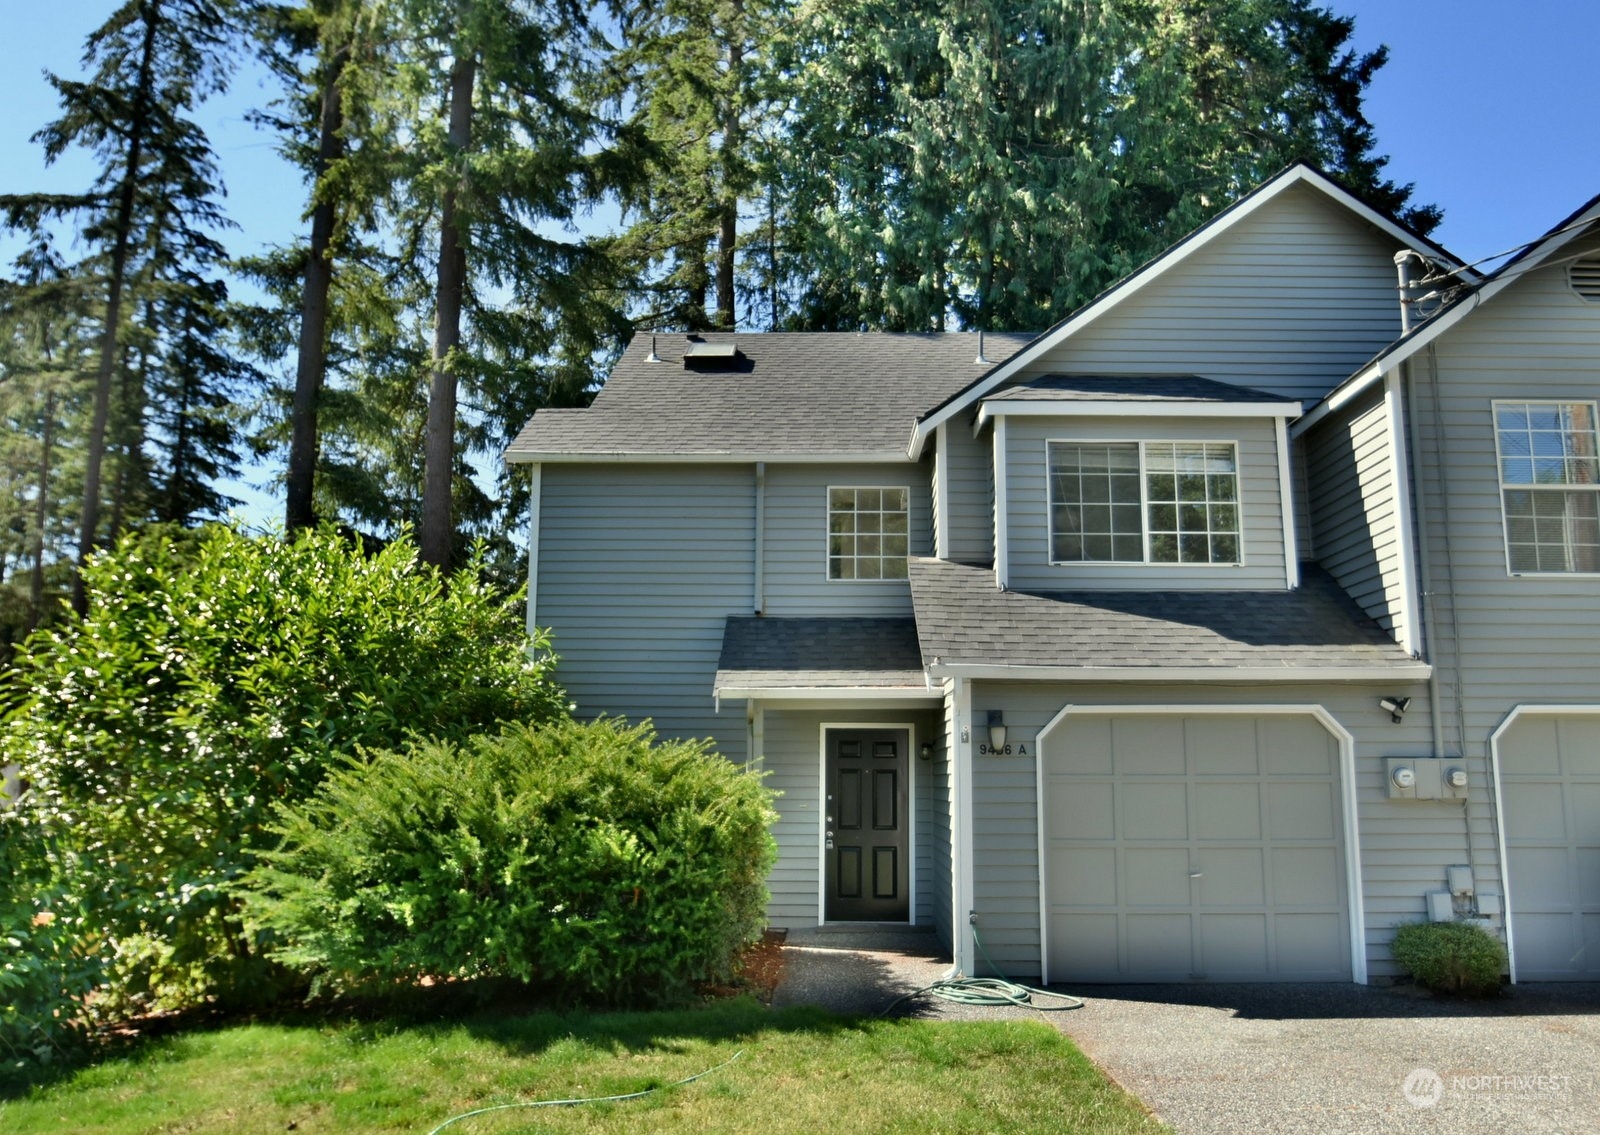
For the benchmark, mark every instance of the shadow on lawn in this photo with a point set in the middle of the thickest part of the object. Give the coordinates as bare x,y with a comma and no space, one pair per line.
1335,1001
514,1019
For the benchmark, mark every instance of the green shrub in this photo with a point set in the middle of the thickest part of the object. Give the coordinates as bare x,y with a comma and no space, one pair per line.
579,857
216,674
1456,957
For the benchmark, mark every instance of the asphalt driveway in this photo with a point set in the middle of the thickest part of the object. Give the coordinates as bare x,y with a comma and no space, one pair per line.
1285,1059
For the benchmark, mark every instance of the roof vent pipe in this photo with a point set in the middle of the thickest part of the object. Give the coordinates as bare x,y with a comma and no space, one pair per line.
652,357
1404,262
980,360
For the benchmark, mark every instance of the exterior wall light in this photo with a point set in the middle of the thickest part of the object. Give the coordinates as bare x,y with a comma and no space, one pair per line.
997,731
1396,707
925,751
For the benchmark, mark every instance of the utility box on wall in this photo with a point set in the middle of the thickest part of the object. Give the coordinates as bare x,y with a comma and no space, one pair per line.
1425,778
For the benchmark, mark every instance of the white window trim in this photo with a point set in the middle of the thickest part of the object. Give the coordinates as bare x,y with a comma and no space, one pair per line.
827,529
1503,485
1144,503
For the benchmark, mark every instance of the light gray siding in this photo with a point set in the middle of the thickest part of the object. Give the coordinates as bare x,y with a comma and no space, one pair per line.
638,568
971,489
1028,511
1500,640
1291,301
796,541
1354,513
792,760
1405,845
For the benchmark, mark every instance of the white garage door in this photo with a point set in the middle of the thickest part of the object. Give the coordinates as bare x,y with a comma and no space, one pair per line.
1201,847
1550,778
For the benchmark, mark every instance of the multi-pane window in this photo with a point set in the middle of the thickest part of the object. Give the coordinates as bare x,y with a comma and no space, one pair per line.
1162,502
1549,485
868,533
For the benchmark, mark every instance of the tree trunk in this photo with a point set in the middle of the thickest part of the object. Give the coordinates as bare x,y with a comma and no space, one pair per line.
437,531
95,454
311,368
41,512
728,207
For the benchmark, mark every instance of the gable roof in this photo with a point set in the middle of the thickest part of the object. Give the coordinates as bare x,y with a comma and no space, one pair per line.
1477,290
1201,237
967,626
811,396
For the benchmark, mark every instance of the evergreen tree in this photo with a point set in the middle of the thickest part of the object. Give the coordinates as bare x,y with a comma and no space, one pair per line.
154,200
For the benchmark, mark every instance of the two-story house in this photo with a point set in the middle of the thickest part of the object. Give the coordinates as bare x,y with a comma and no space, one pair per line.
1199,637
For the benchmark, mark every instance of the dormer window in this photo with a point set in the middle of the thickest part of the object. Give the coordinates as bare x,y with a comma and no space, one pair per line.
1157,502
1549,485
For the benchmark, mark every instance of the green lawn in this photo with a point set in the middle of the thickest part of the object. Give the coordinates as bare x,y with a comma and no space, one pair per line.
803,1071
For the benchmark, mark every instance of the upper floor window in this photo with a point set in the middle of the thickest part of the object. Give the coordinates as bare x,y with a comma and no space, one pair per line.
868,533
1549,485
1159,502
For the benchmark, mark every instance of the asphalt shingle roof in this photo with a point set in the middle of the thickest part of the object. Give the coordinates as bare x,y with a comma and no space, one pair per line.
1128,388
962,618
801,394
764,653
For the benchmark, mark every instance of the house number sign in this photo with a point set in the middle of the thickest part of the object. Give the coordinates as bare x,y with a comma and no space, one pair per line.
1015,749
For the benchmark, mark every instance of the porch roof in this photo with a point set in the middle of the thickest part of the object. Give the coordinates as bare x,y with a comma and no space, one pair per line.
776,655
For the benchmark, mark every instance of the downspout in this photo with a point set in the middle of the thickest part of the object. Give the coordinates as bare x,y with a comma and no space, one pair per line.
759,585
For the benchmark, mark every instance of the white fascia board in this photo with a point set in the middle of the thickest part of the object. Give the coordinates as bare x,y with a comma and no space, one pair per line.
830,694
865,457
1107,409
1180,252
1388,672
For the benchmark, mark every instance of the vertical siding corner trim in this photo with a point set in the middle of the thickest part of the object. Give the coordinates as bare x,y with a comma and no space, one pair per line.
1400,469
1002,535
941,496
963,869
1291,555
759,600
535,485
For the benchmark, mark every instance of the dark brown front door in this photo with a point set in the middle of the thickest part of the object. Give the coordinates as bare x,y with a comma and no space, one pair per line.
867,830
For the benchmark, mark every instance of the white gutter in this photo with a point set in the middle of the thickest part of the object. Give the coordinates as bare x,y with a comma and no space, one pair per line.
877,456
1172,408
1371,672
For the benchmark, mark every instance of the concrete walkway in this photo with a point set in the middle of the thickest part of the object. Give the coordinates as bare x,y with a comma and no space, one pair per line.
1278,1059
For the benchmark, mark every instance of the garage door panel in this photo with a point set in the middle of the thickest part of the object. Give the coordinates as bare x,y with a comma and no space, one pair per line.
1232,877
1159,944
1540,878
1585,801
1229,810
1085,876
1306,876
1579,746
1081,809
1224,746
1155,876
1233,945
1148,746
1089,944
1301,810
1229,862
1296,746
1536,745
1546,944
1088,739
1534,810
1589,878
1154,810
1311,946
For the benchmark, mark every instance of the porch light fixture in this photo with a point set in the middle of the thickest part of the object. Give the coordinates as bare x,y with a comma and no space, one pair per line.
1396,707
997,730
926,751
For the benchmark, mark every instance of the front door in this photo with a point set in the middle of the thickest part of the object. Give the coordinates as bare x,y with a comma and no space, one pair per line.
866,828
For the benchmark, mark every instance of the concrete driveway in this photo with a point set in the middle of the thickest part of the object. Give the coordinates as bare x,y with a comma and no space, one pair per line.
1282,1059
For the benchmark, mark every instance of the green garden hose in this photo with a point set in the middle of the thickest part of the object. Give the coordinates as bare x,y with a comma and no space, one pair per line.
588,1099
990,990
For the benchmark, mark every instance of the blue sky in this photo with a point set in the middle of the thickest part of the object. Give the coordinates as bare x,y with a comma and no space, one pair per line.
1485,105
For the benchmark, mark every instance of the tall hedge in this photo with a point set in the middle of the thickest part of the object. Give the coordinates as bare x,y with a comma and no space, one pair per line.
582,858
216,674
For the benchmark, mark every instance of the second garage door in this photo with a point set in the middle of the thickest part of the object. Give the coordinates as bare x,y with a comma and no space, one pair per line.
1195,847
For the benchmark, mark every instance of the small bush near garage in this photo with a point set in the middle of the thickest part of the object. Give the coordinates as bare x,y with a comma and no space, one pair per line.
1455,957
581,858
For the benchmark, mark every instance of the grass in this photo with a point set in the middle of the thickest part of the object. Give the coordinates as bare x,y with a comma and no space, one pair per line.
802,1071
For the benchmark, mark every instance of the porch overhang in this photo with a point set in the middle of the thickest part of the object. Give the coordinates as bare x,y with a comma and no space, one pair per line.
823,661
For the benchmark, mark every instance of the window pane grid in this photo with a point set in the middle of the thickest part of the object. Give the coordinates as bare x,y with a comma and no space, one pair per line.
1151,502
1549,485
868,533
